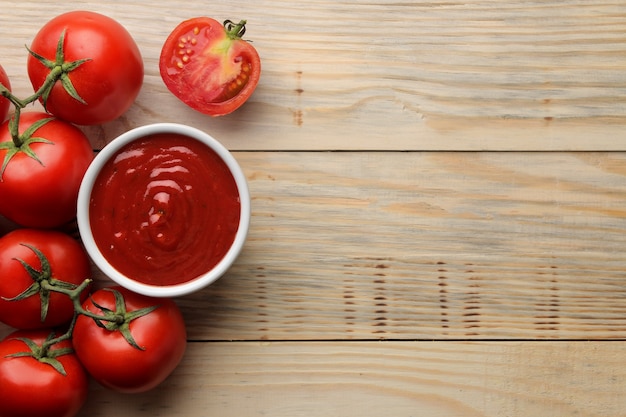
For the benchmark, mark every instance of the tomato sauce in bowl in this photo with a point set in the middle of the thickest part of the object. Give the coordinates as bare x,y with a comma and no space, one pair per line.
164,210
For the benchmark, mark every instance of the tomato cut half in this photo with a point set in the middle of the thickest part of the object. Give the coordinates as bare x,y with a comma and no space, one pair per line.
208,66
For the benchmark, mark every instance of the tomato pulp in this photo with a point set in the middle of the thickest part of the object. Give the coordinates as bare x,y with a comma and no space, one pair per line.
165,209
208,66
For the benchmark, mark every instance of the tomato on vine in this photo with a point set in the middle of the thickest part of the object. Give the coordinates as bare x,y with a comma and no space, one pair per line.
33,262
43,162
139,344
38,379
4,103
208,66
99,65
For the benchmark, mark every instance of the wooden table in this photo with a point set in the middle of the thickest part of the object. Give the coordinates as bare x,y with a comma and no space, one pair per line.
438,217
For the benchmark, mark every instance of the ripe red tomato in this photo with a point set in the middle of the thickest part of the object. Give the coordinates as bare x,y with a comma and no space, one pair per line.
67,261
34,388
108,82
43,195
4,103
109,357
208,66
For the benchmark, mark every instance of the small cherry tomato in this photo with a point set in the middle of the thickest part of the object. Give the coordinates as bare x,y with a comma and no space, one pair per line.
208,66
137,353
35,388
41,191
30,257
107,82
4,103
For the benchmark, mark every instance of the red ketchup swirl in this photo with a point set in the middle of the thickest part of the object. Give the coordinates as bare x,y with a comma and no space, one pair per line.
165,209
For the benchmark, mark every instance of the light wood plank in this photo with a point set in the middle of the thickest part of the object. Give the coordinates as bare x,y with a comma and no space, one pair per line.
425,246
456,261
400,379
457,75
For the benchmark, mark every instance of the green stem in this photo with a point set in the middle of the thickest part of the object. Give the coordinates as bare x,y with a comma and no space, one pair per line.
235,30
14,128
53,76
74,295
65,336
117,319
11,97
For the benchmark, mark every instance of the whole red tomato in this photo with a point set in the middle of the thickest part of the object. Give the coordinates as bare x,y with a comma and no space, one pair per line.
65,260
43,193
208,66
108,82
4,103
32,388
160,336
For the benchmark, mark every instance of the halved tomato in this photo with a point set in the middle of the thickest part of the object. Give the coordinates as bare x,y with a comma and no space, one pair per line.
208,66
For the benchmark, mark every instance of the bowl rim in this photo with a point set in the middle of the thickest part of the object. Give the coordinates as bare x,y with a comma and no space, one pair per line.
83,206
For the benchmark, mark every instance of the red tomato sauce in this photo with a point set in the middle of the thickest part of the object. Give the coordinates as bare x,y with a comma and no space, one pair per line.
165,209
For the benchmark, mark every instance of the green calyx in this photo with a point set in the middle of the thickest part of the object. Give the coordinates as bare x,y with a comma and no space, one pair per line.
59,71
235,30
119,319
43,282
22,142
43,353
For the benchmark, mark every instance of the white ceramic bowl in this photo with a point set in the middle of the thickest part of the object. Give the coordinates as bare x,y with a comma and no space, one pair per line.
84,203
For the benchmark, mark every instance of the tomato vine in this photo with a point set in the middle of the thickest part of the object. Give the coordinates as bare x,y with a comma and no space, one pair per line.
59,71
117,319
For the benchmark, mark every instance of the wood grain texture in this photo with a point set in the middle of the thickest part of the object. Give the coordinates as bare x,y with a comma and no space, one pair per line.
454,75
403,379
410,245
425,246
399,277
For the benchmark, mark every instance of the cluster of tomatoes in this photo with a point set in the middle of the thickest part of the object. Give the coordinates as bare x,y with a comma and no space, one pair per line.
66,330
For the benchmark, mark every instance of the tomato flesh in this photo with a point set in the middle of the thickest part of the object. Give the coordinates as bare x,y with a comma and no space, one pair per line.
207,69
